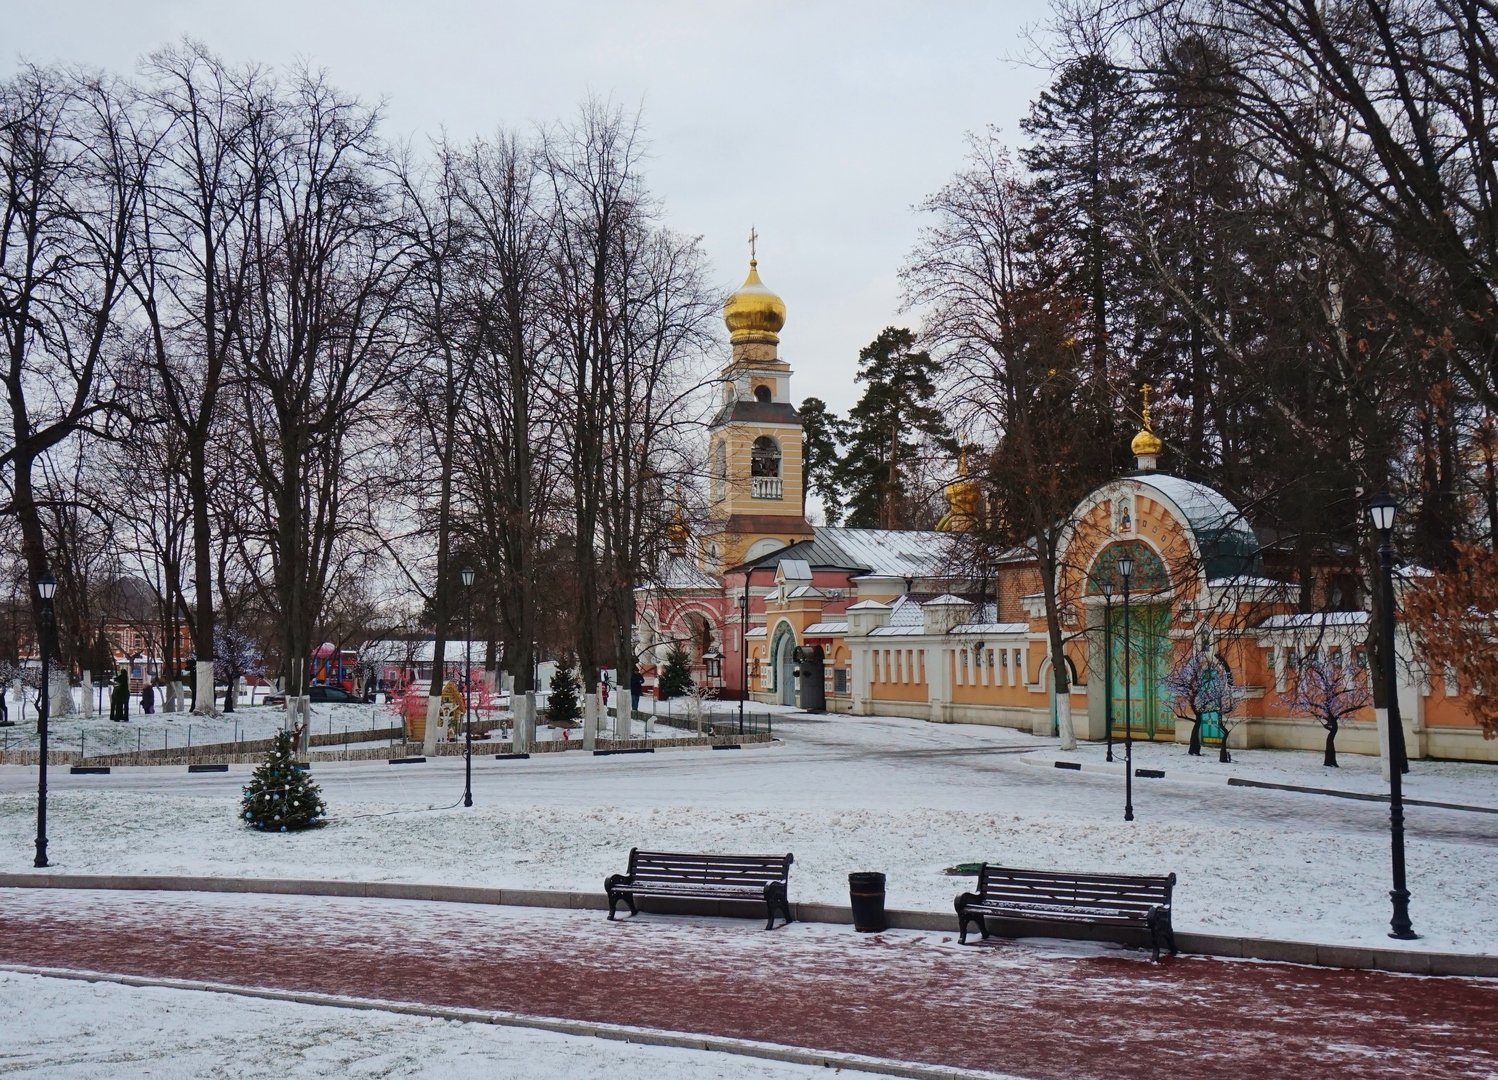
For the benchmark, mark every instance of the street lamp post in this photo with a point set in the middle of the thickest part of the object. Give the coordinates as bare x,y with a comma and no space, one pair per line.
1125,570
46,589
1382,510
468,687
743,650
1107,587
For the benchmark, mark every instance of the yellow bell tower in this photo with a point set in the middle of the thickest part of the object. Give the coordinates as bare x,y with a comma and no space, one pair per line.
755,443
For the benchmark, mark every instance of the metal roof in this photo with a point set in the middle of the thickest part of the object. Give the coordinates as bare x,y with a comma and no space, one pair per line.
879,552
825,629
1229,545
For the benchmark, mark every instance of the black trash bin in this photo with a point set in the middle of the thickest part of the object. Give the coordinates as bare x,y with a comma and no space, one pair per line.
867,894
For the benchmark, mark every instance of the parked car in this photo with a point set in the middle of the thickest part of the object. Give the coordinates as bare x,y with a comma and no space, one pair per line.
325,695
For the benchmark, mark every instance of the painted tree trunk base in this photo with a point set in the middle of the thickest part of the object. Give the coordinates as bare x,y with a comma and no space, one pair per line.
1064,727
86,693
429,734
172,700
204,704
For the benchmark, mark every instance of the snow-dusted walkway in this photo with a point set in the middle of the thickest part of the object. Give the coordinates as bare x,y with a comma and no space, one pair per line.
1027,1010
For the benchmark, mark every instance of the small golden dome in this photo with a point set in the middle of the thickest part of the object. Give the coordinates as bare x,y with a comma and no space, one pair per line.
964,498
754,313
677,533
1146,443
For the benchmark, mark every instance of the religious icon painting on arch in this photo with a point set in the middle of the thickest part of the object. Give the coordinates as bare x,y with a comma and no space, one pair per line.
1123,515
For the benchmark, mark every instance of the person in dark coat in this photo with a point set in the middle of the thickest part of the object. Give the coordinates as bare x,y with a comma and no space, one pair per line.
119,699
148,698
636,687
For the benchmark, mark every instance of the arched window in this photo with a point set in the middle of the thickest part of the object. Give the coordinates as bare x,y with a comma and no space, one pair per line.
763,393
764,457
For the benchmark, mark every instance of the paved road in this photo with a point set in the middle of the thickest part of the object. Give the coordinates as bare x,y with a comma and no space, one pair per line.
1028,1010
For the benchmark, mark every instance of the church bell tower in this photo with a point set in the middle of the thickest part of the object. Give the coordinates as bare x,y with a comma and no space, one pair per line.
755,447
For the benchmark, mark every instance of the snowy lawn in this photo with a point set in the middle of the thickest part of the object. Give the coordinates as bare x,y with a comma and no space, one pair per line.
1438,781
64,1029
843,794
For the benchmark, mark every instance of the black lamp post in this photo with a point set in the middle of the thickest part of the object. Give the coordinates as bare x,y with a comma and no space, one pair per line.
743,650
1107,588
46,589
1125,570
1382,510
468,687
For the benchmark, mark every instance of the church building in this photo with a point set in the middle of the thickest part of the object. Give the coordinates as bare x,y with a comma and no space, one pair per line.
877,622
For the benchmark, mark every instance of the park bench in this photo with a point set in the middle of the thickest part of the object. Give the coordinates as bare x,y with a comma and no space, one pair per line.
1046,896
707,877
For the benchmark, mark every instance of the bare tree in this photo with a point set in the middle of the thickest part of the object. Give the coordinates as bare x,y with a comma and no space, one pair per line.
71,186
320,347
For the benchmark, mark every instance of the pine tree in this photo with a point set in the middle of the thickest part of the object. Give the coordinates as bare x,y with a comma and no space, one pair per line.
563,707
822,431
883,432
281,797
676,676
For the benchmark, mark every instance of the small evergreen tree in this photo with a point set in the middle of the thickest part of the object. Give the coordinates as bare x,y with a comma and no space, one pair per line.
281,797
676,676
563,707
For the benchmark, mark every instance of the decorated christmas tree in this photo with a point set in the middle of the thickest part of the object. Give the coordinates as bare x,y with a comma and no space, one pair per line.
564,706
676,676
281,797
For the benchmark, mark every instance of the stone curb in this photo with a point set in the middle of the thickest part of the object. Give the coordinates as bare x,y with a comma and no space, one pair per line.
1402,961
619,1032
1239,781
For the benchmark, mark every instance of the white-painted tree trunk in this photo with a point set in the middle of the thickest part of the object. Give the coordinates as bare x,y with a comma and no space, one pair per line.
203,683
1381,718
171,700
590,722
86,692
434,712
1063,721
622,716
60,698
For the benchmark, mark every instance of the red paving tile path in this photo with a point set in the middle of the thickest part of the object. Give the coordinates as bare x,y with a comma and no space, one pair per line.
1027,1010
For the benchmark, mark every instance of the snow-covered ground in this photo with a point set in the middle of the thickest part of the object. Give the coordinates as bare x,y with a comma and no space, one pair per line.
97,735
64,1029
844,794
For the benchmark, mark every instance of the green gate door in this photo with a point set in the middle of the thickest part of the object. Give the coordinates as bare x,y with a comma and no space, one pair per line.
1142,699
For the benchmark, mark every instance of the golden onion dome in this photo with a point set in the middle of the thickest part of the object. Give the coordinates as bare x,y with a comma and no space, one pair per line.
677,533
1146,443
963,500
754,313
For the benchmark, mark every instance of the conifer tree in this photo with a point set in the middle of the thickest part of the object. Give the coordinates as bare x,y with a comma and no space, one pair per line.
281,797
676,676
563,706
884,429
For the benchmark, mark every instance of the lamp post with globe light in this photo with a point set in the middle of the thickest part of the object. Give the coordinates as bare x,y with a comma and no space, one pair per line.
468,687
1125,571
46,590
1381,510
1107,587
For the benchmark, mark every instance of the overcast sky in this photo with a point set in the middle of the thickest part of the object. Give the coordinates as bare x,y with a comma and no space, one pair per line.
818,123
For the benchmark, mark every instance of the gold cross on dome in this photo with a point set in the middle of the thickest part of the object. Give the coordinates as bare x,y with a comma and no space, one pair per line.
753,238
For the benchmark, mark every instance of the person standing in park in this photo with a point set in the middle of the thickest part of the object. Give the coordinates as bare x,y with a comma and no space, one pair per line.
636,687
119,699
148,698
